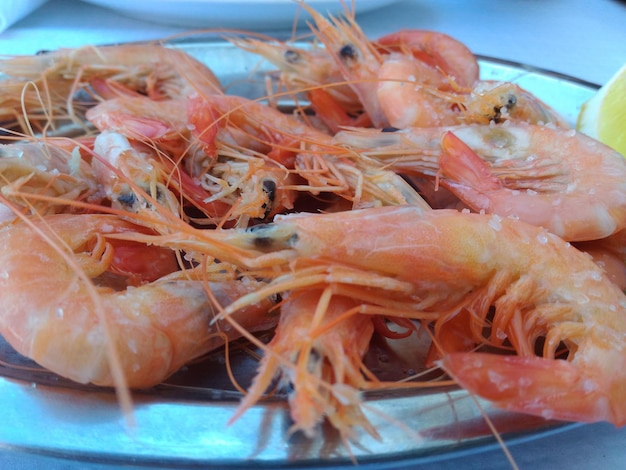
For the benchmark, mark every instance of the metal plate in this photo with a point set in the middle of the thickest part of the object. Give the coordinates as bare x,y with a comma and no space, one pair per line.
185,421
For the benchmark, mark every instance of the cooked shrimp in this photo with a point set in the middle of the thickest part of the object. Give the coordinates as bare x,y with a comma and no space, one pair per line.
320,365
555,178
443,262
309,153
207,161
304,69
45,169
65,303
377,70
407,101
93,72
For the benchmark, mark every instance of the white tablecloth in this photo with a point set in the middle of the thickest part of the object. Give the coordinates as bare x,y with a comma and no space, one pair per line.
580,38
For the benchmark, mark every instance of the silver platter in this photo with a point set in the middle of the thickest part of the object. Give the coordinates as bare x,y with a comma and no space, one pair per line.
185,421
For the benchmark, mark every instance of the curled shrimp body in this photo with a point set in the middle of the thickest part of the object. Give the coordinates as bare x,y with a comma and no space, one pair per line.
443,54
409,101
553,306
77,314
546,176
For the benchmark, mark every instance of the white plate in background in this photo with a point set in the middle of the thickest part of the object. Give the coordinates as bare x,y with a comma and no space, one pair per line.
238,14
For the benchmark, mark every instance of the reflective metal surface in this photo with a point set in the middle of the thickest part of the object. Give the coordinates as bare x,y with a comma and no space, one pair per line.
186,421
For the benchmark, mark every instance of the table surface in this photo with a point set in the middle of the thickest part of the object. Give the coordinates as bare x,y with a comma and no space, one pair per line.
581,38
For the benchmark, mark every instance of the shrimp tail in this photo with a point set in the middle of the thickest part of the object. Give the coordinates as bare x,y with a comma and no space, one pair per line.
459,162
539,386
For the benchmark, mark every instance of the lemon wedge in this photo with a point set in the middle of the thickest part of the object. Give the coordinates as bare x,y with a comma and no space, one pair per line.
603,117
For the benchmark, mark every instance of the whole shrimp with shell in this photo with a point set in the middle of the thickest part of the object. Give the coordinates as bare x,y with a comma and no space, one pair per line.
317,355
85,323
550,177
407,102
407,78
60,86
540,287
206,160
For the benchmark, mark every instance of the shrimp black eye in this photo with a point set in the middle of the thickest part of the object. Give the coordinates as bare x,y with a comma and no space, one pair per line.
511,101
272,237
269,188
262,236
292,56
127,199
389,129
348,52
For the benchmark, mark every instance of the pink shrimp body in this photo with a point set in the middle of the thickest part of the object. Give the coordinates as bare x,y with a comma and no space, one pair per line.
153,329
441,52
551,177
546,294
407,100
